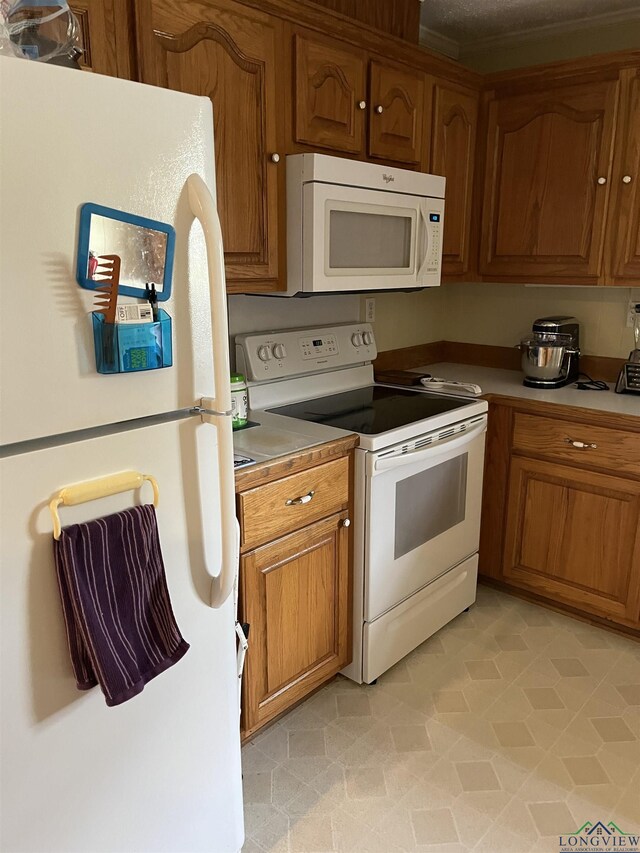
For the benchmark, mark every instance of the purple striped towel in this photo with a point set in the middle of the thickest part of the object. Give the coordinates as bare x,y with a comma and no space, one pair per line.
120,624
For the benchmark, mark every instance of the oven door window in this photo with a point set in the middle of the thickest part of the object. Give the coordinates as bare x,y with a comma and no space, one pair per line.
365,241
422,517
429,503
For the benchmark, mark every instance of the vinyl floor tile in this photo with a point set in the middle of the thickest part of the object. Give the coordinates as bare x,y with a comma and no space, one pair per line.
510,726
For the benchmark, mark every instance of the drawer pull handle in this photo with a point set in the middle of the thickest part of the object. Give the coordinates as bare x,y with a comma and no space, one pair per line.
303,499
581,445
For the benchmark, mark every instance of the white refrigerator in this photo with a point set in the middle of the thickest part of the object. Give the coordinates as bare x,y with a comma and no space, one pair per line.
160,772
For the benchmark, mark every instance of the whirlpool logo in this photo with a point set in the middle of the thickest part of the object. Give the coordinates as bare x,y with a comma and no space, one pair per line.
598,836
388,179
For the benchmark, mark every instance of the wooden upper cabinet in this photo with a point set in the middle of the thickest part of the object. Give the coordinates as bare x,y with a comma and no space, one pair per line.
396,114
624,239
104,35
227,51
547,182
453,139
329,95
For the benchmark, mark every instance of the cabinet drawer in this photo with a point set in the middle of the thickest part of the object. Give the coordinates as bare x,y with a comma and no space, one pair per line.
614,450
270,511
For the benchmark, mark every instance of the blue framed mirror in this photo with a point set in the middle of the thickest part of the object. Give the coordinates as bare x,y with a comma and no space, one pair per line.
146,249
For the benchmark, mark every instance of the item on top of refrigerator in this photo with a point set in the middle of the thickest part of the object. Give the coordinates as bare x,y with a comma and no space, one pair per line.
41,30
239,400
450,386
145,246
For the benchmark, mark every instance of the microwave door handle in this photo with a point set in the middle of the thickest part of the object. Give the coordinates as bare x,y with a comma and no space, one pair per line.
425,242
444,446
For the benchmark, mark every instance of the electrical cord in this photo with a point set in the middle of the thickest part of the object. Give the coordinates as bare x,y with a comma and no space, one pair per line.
591,384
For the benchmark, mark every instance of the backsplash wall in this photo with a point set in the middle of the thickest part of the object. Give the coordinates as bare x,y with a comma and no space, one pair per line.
261,313
499,314
502,314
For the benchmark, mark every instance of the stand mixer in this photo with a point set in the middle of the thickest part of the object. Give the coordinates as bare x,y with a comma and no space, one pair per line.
629,378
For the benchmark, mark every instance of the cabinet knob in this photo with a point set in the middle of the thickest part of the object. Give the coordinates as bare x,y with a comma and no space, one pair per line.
275,158
303,499
626,179
379,109
581,445
346,522
362,105
602,181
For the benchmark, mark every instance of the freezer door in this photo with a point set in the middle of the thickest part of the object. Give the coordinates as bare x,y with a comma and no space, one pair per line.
70,138
162,771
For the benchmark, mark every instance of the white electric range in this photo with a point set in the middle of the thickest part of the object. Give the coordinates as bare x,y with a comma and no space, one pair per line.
418,479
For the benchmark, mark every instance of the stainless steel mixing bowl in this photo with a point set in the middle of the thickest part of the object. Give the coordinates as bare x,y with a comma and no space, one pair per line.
544,360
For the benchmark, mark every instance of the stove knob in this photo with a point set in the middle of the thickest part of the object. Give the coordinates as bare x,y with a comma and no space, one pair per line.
367,338
264,353
356,339
279,351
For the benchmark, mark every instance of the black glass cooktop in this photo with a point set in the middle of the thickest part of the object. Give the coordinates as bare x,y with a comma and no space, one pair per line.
371,410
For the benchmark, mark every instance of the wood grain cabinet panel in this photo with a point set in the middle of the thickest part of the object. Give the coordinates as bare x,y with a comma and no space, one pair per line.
624,239
228,52
267,512
583,445
104,35
453,140
574,537
329,95
396,113
295,595
547,181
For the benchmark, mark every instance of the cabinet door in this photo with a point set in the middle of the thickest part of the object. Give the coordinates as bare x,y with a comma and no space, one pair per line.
396,114
453,139
574,536
624,239
295,594
104,36
227,52
547,182
329,92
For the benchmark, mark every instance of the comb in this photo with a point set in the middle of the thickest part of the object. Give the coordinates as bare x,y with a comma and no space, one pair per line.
107,292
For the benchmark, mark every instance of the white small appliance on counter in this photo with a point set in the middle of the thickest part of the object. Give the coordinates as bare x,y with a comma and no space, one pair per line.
418,479
355,226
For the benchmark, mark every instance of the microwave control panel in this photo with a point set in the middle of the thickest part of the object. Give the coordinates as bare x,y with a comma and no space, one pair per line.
294,352
435,241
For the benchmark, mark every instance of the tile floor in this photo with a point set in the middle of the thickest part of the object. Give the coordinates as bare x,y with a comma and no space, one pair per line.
509,727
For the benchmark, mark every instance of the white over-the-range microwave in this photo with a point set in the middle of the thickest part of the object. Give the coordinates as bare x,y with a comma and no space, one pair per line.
354,226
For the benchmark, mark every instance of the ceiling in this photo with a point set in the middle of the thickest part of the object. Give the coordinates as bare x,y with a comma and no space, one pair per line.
469,21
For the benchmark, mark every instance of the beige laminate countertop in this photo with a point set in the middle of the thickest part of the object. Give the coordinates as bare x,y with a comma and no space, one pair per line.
508,383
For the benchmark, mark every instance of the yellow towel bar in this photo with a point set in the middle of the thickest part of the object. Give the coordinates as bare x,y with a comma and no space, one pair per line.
80,493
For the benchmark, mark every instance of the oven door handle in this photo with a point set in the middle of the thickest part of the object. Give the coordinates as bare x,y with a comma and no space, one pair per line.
445,446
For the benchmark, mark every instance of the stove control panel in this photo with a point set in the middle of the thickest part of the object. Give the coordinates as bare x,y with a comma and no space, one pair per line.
265,356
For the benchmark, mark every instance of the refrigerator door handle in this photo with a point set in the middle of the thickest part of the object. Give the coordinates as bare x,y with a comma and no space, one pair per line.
204,209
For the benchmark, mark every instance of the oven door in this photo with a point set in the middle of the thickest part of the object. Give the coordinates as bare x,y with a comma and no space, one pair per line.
422,514
360,239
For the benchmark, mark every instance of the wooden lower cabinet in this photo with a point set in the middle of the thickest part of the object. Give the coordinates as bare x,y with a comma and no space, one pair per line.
561,508
573,535
295,576
295,594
